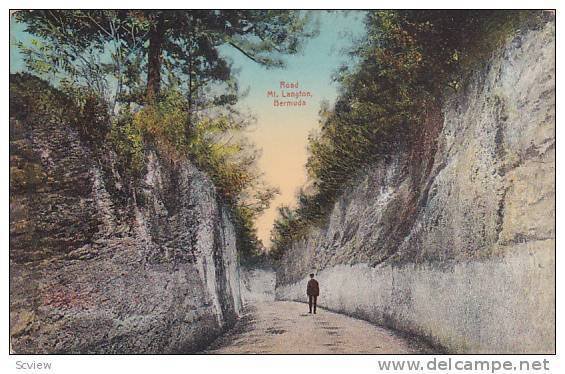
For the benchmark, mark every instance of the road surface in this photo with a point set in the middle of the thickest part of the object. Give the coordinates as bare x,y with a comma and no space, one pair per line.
286,327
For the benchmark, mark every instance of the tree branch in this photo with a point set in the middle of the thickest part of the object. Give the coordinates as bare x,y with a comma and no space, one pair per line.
251,57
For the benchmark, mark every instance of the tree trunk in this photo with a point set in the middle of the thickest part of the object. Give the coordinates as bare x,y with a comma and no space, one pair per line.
154,60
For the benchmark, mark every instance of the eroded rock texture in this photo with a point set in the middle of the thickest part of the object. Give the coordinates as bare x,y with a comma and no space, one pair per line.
98,265
455,239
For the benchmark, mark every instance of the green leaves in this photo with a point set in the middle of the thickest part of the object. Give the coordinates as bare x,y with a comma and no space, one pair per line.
157,76
406,64
128,143
112,49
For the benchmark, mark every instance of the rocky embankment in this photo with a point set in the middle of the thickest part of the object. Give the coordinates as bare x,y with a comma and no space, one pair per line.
98,265
454,240
257,284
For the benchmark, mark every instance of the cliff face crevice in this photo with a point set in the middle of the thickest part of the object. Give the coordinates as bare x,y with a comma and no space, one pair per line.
454,238
100,264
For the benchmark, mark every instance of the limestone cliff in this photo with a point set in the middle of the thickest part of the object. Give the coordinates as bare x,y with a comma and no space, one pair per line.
257,284
455,239
98,265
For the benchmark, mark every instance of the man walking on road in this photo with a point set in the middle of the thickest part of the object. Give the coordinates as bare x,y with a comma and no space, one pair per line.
313,291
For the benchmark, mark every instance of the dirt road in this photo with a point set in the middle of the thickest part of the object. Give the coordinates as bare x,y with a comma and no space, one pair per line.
286,327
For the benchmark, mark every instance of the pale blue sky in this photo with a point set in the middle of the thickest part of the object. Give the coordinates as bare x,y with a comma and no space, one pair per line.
280,132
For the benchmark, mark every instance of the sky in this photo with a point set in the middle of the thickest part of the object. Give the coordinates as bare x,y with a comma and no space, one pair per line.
281,132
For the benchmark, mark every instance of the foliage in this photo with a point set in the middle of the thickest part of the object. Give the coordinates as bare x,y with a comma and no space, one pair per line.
135,48
33,98
288,228
36,99
127,141
157,76
90,112
218,147
404,65
164,123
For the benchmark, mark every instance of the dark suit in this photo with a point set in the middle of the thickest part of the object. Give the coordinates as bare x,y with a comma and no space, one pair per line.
313,291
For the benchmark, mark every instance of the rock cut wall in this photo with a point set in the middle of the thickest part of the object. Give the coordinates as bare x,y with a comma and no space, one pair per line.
97,266
457,245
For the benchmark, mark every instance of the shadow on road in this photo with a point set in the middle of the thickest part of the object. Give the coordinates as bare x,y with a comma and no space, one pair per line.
243,325
284,328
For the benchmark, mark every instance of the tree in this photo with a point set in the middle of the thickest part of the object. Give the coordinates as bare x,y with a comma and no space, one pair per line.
146,39
154,55
403,67
168,83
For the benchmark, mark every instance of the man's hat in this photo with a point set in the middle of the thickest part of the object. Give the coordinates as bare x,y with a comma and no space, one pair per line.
311,274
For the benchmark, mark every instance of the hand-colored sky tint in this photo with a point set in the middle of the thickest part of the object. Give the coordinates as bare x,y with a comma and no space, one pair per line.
281,132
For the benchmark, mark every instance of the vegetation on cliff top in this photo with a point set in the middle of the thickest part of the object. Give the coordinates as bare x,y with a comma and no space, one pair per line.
403,67
134,78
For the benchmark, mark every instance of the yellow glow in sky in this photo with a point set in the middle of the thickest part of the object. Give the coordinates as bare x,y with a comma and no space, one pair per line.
282,132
